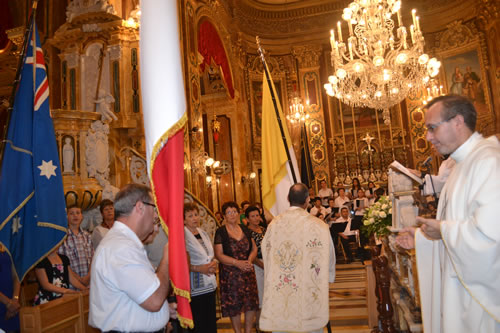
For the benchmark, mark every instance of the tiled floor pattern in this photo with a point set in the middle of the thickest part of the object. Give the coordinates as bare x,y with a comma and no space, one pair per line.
348,309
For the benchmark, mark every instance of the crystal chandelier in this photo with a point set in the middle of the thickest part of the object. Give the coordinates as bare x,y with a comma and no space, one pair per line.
375,68
297,111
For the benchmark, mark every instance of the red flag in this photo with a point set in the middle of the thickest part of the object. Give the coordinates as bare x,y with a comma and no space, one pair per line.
164,106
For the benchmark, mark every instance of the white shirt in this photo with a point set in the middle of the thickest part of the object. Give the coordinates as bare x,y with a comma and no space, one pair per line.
322,210
122,278
325,194
364,205
339,201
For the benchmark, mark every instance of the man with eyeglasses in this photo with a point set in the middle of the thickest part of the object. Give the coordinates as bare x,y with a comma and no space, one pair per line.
458,252
126,294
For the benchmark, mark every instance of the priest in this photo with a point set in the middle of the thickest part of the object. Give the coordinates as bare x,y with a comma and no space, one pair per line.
458,253
299,262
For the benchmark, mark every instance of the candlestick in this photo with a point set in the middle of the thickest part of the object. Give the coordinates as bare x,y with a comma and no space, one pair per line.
332,39
350,28
400,21
339,31
412,28
418,23
413,13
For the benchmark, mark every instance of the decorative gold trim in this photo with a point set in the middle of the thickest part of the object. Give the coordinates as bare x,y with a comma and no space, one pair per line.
185,322
22,150
51,225
17,209
36,263
156,149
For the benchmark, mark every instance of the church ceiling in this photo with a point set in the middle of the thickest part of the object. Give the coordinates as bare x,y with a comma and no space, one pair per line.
276,19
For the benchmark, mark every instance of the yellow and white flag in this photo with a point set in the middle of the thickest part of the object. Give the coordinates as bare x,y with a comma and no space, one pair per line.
276,172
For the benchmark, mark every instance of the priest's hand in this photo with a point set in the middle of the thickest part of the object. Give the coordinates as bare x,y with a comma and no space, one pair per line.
406,238
430,227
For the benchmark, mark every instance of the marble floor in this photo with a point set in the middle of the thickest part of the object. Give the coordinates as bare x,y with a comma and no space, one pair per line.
348,305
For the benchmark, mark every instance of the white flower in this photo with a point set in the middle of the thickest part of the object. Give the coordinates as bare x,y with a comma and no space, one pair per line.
371,220
390,211
382,214
384,206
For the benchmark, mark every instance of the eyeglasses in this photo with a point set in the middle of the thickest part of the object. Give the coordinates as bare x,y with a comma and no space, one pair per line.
432,127
231,212
157,218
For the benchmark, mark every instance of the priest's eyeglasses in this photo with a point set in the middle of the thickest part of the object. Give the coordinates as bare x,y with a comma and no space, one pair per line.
432,127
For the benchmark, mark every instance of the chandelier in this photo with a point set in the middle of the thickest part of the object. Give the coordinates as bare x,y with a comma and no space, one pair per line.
297,111
375,68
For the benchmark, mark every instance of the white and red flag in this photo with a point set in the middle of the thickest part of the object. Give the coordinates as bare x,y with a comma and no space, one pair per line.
164,108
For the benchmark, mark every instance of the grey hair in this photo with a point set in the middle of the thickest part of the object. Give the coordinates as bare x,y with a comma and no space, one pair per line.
128,196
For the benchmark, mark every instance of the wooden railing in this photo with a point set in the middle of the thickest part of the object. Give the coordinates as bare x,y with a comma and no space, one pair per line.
68,314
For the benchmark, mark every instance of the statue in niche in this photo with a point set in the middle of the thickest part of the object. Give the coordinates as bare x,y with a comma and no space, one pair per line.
103,106
68,155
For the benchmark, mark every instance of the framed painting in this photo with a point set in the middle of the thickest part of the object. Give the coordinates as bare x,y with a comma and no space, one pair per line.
463,73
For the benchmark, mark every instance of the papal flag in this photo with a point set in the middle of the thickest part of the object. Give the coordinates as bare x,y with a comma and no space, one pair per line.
33,218
277,151
164,108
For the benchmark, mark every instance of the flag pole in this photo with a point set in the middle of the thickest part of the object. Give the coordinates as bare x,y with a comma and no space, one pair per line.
17,79
283,137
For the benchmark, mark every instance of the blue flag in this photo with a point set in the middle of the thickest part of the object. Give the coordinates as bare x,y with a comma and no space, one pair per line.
32,213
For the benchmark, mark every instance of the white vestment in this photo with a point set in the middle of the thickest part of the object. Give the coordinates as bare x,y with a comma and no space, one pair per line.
299,261
459,275
434,183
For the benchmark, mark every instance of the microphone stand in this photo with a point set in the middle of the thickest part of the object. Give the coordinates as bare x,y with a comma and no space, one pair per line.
428,171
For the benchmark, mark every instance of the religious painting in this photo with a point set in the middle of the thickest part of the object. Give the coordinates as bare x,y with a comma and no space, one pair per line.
361,117
463,74
256,101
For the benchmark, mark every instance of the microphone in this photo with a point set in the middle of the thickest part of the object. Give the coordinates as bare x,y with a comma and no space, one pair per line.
427,161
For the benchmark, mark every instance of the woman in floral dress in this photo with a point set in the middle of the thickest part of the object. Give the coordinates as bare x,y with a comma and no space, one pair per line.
54,277
236,250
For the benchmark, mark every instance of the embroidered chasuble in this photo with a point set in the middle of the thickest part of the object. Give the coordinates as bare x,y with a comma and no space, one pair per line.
459,275
299,262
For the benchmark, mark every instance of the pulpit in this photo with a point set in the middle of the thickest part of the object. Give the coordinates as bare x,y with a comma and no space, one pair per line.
403,293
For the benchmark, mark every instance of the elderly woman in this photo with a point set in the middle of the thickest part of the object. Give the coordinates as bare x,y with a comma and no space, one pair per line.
202,266
236,250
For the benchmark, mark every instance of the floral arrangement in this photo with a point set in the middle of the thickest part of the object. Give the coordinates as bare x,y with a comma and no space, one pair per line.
378,217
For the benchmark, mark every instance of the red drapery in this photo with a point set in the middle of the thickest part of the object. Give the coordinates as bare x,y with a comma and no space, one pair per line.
210,47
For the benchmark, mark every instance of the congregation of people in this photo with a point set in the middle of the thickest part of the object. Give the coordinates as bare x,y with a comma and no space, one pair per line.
255,255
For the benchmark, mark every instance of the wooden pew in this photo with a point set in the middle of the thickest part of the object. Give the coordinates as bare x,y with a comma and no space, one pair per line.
68,314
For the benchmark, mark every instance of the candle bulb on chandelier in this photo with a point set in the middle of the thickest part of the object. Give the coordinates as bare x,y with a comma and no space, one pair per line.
412,33
332,39
339,31
418,23
350,28
400,21
350,50
413,16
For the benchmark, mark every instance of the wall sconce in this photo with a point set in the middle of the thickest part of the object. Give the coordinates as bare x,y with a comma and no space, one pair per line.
250,179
